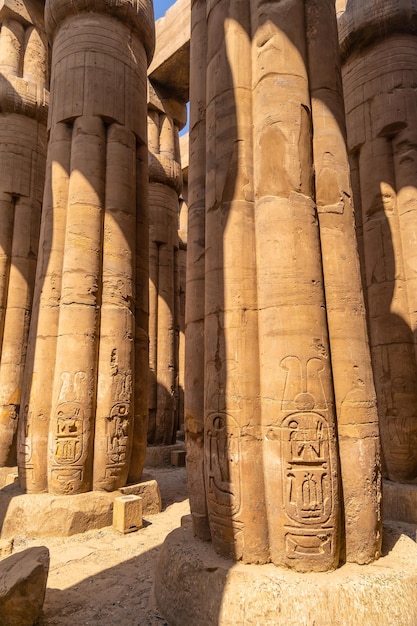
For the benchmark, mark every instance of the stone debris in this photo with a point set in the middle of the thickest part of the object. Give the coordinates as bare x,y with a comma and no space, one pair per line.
23,578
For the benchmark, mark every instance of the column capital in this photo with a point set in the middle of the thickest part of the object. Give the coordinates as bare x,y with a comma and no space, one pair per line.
19,11
137,14
363,21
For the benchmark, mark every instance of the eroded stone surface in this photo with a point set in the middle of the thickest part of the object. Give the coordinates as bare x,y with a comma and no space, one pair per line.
160,456
24,101
85,387
400,502
280,401
171,63
195,586
23,578
380,64
165,183
48,515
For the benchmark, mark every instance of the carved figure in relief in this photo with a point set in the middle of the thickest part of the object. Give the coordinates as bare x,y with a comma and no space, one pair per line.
91,346
306,439
73,387
69,435
123,387
307,468
67,478
305,444
282,316
25,439
223,459
118,430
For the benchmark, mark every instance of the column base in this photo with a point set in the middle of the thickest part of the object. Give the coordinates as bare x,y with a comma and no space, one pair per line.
400,502
47,515
195,586
160,456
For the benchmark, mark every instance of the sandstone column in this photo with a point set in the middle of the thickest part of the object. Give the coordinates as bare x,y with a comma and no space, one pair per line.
23,138
289,403
379,49
352,371
194,303
164,189
182,272
84,413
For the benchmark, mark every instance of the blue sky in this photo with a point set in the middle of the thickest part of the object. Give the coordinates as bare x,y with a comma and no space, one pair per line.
161,6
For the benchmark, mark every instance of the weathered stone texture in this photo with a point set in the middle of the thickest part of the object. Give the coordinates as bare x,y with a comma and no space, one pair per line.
23,138
23,578
170,65
194,304
127,513
288,409
182,272
165,183
195,586
379,46
83,421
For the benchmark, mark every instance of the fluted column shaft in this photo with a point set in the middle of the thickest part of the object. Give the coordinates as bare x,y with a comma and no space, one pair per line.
165,185
23,138
289,407
381,120
85,422
194,378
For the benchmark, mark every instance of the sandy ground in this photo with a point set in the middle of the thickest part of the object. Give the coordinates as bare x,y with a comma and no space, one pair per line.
103,577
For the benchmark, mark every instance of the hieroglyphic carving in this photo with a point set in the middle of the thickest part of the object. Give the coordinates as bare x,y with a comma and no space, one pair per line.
306,451
223,478
117,433
222,462
68,439
118,423
308,461
69,431
24,446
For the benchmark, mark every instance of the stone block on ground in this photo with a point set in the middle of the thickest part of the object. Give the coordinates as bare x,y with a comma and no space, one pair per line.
160,456
400,502
149,491
127,513
178,458
47,515
23,578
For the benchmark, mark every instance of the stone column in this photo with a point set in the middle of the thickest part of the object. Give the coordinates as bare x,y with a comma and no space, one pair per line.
164,189
85,406
379,49
23,138
194,303
289,403
182,271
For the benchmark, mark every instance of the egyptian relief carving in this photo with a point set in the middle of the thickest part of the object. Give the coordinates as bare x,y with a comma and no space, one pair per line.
223,461
68,440
309,462
379,85
23,138
119,421
84,421
288,402
165,182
